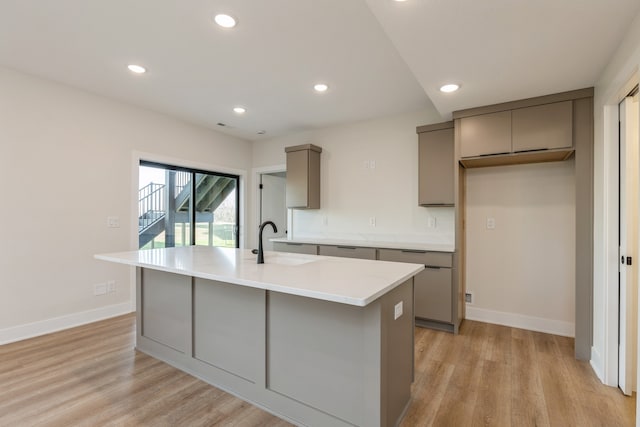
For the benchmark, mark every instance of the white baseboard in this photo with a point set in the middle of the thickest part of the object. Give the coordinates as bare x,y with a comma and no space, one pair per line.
42,327
596,363
538,324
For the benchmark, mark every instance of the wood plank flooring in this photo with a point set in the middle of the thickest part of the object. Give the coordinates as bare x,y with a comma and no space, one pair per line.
488,375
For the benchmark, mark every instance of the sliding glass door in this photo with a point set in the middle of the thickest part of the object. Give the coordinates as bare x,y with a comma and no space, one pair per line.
179,207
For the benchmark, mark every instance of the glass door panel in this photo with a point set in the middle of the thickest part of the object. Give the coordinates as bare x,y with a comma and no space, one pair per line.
164,206
216,207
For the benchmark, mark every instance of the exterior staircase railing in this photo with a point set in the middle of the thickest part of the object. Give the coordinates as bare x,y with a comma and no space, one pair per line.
151,205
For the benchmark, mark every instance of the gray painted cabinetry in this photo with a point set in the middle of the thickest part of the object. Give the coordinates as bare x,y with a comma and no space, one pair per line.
347,251
542,127
434,290
313,362
437,293
436,162
486,134
525,133
303,176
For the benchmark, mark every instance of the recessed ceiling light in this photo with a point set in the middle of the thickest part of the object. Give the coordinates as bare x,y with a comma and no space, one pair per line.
138,69
239,110
449,88
225,21
320,87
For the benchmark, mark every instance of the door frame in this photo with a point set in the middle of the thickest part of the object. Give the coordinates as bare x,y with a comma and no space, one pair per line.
255,183
610,212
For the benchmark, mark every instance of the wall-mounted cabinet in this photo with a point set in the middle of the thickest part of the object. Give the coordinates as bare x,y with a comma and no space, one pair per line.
485,134
543,127
436,161
303,176
531,134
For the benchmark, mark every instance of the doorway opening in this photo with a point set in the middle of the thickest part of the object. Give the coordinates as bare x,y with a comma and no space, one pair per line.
629,240
272,205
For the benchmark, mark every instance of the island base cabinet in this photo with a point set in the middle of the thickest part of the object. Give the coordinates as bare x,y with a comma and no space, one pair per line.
308,361
433,296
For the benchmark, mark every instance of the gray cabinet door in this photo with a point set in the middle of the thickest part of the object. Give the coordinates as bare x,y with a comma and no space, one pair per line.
436,168
433,295
296,248
433,287
303,177
485,134
548,126
347,252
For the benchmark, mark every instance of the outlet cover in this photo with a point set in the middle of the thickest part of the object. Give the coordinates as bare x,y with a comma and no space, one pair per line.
468,297
372,221
100,289
111,286
113,222
491,223
431,222
397,310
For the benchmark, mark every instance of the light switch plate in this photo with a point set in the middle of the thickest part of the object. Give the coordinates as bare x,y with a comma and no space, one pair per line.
397,310
491,223
113,222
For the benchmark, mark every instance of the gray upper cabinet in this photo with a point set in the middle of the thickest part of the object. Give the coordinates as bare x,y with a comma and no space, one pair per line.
436,167
303,176
485,134
543,127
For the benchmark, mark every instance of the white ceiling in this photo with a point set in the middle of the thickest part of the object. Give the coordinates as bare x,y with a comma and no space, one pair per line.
379,57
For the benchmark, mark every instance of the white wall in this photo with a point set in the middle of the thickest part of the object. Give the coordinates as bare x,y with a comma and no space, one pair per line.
65,165
609,90
351,193
522,272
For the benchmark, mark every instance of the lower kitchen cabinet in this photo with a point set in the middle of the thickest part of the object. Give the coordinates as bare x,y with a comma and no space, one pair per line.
432,294
347,251
433,287
296,248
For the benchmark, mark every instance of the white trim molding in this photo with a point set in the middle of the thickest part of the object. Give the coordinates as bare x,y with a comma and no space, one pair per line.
43,327
515,320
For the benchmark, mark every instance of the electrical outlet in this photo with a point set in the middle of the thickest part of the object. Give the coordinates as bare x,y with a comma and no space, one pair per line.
468,297
372,164
113,222
111,286
372,221
100,289
431,222
325,220
491,223
397,310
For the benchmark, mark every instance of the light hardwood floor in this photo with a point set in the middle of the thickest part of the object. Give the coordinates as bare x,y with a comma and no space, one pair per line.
488,375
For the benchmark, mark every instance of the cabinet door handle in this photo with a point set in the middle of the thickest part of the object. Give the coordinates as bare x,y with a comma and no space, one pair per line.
352,248
432,267
294,244
413,251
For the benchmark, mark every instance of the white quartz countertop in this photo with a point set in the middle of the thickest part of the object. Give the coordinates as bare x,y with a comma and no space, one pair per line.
414,246
343,280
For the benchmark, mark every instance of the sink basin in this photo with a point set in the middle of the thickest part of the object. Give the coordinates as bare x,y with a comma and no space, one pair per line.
286,260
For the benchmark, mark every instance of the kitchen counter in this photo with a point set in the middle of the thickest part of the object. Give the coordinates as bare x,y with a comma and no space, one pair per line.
318,341
432,247
346,281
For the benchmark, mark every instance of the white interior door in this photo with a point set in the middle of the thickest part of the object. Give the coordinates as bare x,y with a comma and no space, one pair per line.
629,185
273,206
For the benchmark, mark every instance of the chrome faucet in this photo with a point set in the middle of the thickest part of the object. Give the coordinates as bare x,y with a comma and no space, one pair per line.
260,251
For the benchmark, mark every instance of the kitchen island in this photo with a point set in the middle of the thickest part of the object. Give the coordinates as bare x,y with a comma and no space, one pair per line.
318,341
